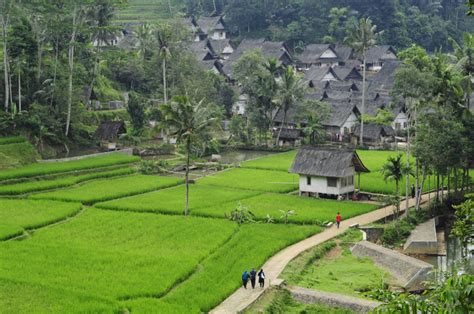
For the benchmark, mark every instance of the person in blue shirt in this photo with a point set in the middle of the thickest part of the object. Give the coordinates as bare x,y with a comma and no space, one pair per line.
253,276
245,279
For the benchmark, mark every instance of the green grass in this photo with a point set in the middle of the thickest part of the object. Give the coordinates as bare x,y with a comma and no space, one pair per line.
253,179
41,185
12,139
308,210
280,301
16,215
172,200
340,272
107,261
16,154
281,162
42,169
219,275
107,189
108,256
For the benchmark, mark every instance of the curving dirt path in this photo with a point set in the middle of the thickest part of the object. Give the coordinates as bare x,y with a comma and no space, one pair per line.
242,298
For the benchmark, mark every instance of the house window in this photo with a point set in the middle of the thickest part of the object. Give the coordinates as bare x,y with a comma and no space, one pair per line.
350,180
308,180
332,182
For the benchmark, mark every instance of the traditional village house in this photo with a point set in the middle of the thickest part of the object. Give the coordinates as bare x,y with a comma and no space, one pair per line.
347,73
211,27
327,171
289,137
222,48
378,55
314,75
110,40
374,134
342,120
401,118
108,132
319,55
240,106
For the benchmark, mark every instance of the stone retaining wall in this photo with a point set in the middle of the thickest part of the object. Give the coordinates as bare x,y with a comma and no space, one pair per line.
409,272
309,296
127,151
423,240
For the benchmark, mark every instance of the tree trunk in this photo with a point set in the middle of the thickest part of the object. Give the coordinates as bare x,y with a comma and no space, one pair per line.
437,186
169,7
95,73
19,90
55,72
188,148
397,193
5,23
165,93
71,68
361,139
407,178
420,192
281,127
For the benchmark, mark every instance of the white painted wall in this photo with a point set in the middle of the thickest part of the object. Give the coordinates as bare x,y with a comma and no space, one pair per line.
402,120
349,124
219,35
320,185
240,106
328,54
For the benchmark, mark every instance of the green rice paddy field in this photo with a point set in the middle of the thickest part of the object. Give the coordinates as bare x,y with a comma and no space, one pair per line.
134,250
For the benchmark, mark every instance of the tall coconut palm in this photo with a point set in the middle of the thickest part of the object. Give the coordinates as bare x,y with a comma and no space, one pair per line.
163,37
363,37
291,90
5,16
464,54
394,170
191,123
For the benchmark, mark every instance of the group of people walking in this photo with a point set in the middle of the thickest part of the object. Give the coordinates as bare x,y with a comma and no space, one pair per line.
253,277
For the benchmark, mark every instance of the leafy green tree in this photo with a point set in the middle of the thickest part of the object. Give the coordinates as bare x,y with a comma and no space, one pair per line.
190,123
291,91
383,117
463,227
464,55
136,111
394,170
363,37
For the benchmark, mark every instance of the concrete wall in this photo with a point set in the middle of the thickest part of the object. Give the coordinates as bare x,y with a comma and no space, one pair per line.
409,272
320,185
127,151
423,240
309,296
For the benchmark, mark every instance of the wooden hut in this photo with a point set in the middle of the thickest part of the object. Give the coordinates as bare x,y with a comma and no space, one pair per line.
108,132
327,171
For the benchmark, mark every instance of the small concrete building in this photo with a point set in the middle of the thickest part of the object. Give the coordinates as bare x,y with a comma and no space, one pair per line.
327,171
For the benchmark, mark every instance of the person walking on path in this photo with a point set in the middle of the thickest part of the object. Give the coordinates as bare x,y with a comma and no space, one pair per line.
261,278
245,279
338,219
253,276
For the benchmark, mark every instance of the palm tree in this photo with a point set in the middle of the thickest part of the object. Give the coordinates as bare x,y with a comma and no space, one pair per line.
394,170
190,123
363,37
163,36
144,35
464,55
291,90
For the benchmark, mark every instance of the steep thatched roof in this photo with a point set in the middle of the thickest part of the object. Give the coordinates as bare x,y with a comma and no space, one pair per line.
347,72
327,162
380,53
218,46
316,74
312,53
374,131
340,111
209,23
287,133
385,78
110,130
344,53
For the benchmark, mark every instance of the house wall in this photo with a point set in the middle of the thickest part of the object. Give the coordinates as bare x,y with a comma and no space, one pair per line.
349,125
320,185
400,121
240,106
219,35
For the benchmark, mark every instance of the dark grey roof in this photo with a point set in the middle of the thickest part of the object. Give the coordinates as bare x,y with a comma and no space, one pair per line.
347,72
342,85
315,74
385,78
109,130
379,53
275,49
312,53
202,50
344,53
327,162
208,23
287,133
340,111
373,131
218,46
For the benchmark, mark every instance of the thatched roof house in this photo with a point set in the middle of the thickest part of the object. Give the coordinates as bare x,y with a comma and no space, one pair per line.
109,131
288,136
375,134
328,171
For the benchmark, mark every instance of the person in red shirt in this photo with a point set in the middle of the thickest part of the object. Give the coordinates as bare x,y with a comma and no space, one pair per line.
338,219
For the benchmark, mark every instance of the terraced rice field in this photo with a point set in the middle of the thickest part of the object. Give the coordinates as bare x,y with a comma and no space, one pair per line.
17,215
102,190
123,254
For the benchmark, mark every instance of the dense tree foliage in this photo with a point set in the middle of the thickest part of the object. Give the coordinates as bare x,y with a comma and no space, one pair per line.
427,23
